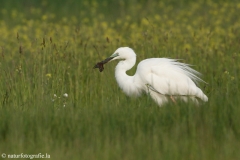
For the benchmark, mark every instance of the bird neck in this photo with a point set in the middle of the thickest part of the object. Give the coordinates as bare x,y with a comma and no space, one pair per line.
126,82
126,65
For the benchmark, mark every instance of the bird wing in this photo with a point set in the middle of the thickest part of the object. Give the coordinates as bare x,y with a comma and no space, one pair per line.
169,77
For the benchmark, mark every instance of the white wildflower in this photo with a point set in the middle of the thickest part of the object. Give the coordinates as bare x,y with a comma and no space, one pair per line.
65,95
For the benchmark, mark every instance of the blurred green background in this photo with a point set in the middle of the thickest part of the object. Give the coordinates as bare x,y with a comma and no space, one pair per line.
48,49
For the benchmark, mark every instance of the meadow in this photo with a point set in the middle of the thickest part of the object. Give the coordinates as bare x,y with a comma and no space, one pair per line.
53,101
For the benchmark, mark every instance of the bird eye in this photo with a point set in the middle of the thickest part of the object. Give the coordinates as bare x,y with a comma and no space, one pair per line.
115,54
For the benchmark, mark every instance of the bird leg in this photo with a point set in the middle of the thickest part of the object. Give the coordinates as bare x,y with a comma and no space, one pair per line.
173,99
150,87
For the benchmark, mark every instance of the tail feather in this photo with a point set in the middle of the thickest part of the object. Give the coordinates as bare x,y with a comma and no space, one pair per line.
201,95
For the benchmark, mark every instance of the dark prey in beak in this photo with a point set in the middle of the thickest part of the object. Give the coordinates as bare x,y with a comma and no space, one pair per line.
100,64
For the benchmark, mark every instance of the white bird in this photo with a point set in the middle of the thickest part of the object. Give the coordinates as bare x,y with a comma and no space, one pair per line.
162,78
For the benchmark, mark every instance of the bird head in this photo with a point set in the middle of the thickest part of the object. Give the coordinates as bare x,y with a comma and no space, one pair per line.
121,53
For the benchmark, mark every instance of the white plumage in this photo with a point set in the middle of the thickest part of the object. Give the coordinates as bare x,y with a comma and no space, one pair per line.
162,78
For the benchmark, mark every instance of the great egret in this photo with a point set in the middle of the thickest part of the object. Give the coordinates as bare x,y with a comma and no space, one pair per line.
162,78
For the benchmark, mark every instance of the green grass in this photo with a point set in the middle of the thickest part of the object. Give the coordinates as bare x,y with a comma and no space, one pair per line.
49,49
